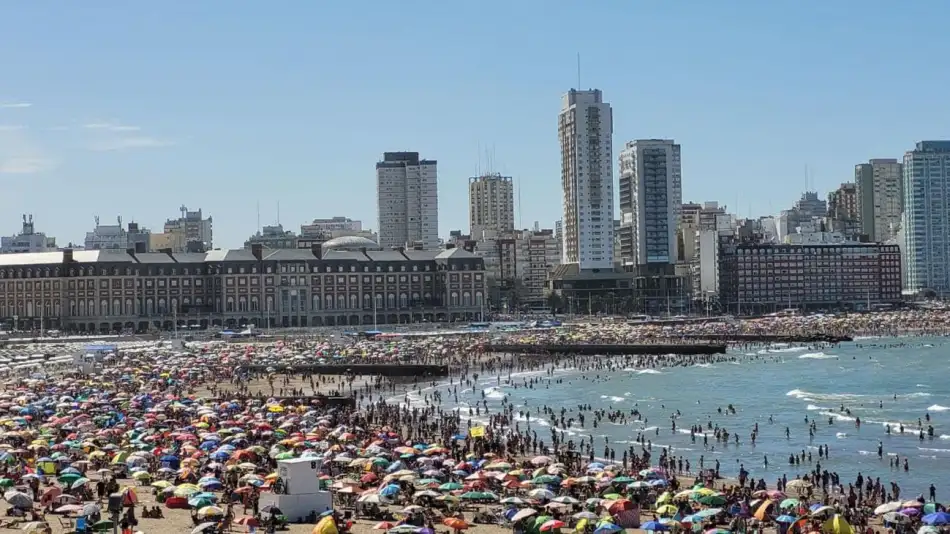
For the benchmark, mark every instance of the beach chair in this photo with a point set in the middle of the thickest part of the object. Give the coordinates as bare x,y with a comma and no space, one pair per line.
66,523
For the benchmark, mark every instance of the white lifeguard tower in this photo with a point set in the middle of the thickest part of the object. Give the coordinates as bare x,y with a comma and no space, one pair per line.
301,493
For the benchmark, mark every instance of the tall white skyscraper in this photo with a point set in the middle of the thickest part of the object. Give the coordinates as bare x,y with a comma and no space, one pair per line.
585,130
491,205
651,199
880,195
926,220
407,200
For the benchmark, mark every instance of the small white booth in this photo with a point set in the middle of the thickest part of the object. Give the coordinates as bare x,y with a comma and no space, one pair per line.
301,492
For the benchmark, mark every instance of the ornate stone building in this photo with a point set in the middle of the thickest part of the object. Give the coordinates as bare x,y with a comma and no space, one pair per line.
346,281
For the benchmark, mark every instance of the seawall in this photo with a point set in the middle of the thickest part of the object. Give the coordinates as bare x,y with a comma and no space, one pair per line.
590,349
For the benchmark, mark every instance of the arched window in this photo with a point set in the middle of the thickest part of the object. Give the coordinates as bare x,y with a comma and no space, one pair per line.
317,302
103,307
390,300
379,301
149,306
415,300
454,299
82,307
403,300
116,307
57,308
269,301
198,301
354,301
479,298
466,298
329,301
341,302
367,301
129,307
255,304
91,307
229,305
174,306
162,306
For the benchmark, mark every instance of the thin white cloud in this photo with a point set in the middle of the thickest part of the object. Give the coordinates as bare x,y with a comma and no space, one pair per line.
18,165
20,155
14,105
129,143
11,127
111,127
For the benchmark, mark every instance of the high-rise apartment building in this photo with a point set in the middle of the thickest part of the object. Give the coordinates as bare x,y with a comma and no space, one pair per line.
28,240
407,200
926,219
880,197
651,198
491,204
585,132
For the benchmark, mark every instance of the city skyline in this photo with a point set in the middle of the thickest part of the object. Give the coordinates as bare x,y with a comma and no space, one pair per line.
247,129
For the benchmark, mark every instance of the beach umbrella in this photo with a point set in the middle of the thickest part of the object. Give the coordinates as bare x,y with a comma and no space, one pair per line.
102,526
888,507
585,515
713,500
455,523
936,519
384,525
18,499
202,527
789,503
654,526
607,528
247,521
553,524
897,517
785,518
522,514
541,494
707,513
928,529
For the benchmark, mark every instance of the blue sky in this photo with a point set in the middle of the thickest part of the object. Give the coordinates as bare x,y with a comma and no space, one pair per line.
112,110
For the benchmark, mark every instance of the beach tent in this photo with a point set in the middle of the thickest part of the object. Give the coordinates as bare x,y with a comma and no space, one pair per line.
837,525
47,467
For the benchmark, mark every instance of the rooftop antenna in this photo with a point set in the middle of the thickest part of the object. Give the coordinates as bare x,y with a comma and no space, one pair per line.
478,166
278,213
258,216
578,71
520,215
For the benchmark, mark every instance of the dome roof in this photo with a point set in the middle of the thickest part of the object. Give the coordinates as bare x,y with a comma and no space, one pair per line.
350,242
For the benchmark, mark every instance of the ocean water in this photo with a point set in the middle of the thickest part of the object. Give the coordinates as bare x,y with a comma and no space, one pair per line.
877,380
